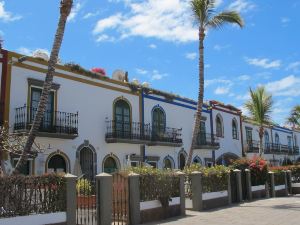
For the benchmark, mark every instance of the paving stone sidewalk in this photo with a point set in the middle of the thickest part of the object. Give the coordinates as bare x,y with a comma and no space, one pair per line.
273,211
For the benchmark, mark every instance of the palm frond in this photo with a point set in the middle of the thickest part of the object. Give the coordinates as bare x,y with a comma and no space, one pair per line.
202,10
294,117
224,18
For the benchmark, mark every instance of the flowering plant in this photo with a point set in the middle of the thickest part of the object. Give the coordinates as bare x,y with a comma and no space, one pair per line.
99,70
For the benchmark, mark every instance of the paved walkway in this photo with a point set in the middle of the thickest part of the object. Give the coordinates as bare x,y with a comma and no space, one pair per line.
273,211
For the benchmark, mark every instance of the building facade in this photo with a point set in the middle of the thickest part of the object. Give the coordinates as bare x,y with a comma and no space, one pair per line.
97,124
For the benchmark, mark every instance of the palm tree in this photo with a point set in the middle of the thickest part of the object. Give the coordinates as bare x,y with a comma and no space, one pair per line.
65,9
206,18
260,106
294,117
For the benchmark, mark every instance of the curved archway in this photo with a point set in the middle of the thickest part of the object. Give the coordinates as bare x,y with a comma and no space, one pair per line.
122,116
219,126
226,159
182,155
169,163
87,159
197,160
158,120
111,164
57,162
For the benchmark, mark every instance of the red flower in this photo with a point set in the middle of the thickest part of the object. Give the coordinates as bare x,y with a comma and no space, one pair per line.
99,70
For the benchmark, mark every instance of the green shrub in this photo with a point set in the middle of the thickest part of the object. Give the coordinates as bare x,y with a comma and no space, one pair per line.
83,187
295,173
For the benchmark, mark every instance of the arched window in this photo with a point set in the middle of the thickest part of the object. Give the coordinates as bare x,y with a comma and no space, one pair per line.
122,117
219,126
234,129
158,121
295,141
267,140
168,163
110,165
57,164
197,160
202,133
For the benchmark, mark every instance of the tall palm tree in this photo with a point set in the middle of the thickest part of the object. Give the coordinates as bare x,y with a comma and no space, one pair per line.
260,106
294,117
206,18
65,9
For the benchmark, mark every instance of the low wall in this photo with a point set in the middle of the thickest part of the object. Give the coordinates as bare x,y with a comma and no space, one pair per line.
153,210
296,188
37,219
258,191
214,199
280,190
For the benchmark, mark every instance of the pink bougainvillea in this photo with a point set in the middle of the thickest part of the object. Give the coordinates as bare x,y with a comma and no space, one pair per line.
99,70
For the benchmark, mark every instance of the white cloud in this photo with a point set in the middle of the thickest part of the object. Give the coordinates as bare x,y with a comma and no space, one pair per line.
141,71
218,3
244,77
105,37
222,90
168,20
241,6
156,75
295,67
285,20
153,46
75,9
218,81
220,47
207,66
27,51
264,63
191,55
242,97
90,14
7,16
287,86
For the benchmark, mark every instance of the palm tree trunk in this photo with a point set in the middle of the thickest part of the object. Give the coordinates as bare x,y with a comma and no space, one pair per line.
261,135
197,122
65,8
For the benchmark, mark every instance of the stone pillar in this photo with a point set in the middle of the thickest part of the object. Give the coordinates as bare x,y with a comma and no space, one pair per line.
71,198
272,184
229,188
196,188
238,177
181,192
104,199
289,181
286,184
134,199
248,184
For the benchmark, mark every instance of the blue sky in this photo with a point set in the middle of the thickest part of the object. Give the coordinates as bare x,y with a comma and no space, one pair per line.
156,41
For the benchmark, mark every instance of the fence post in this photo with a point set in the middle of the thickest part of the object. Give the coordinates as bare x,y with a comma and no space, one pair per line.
196,187
286,190
71,198
229,188
272,184
134,199
181,192
289,181
104,199
248,184
238,177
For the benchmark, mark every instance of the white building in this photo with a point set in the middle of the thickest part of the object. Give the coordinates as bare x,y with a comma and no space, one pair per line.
101,124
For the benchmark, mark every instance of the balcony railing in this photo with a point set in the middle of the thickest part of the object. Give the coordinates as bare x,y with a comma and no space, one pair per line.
207,141
296,150
252,146
54,123
135,132
1,113
280,149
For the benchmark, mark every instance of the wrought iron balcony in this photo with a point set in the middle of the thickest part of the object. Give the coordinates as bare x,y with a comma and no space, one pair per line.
54,124
207,141
1,113
296,150
139,133
281,149
252,146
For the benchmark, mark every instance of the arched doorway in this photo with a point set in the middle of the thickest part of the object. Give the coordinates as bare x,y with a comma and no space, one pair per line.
57,164
110,164
86,159
168,163
197,160
226,159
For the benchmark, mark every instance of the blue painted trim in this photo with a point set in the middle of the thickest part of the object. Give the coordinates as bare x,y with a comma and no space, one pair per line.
174,103
283,128
284,131
212,131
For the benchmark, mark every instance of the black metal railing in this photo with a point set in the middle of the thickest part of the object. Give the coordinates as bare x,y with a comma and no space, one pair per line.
1,113
280,149
140,131
252,146
206,139
53,121
296,150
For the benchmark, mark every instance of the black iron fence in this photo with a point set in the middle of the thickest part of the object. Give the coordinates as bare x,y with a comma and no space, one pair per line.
280,149
26,195
207,139
53,121
140,131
